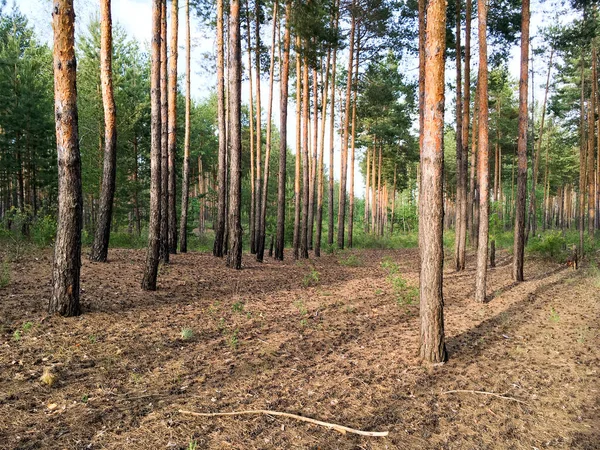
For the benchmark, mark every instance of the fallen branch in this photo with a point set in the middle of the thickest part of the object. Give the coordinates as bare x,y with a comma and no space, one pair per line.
467,391
339,428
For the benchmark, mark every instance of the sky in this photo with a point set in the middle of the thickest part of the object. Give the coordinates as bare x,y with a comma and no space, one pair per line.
135,17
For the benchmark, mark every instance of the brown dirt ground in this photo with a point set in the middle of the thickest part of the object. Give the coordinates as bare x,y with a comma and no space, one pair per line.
340,349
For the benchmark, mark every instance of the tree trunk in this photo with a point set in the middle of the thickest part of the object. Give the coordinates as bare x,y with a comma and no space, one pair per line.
296,242
591,150
172,137
67,247
251,137
330,206
367,192
321,157
185,188
164,153
219,244
432,346
234,253
99,250
257,180
313,160
353,144
519,243
460,175
582,162
260,251
152,256
285,73
305,161
483,161
394,199
344,173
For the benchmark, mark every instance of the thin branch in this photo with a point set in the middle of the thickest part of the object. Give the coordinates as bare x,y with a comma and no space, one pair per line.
485,393
339,428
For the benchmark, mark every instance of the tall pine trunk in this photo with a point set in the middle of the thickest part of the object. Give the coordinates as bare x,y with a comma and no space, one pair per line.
296,242
432,345
164,151
260,251
519,239
152,256
347,113
483,161
353,144
285,73
251,130
219,244
321,157
185,187
257,180
67,248
234,135
305,161
99,250
459,244
172,139
330,198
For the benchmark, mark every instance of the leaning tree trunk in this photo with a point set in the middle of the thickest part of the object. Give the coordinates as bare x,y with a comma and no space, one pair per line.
519,242
152,256
234,253
99,250
185,188
164,152
344,173
432,345
285,73
262,231
67,248
219,244
172,138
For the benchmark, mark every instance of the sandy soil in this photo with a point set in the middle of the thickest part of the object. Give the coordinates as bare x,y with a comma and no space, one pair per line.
326,338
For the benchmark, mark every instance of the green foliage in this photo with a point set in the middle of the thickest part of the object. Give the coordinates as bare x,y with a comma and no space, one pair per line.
192,445
238,307
187,334
554,317
232,340
405,294
551,245
311,278
352,260
43,231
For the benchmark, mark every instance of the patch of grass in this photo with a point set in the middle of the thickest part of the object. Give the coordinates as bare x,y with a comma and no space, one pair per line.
351,261
187,334
17,335
311,278
92,339
192,445
405,294
238,307
27,326
232,340
554,317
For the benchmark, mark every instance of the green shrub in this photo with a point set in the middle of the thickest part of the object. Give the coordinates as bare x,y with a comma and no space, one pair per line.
351,261
550,245
43,231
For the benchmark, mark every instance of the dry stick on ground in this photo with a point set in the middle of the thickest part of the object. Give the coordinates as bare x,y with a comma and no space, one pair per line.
339,428
467,391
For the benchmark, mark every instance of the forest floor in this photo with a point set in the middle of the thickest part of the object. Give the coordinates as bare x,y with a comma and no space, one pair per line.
334,338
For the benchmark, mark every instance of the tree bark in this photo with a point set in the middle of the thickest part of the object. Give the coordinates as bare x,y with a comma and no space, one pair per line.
330,206
67,247
285,73
352,145
185,188
519,242
260,251
257,180
234,253
313,159
252,134
460,175
164,154
172,137
219,245
432,345
591,150
152,256
483,161
99,250
347,113
305,161
296,242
